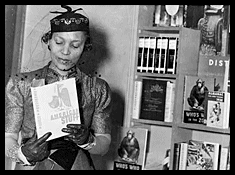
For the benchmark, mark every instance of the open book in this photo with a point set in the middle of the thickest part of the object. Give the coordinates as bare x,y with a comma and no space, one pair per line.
55,105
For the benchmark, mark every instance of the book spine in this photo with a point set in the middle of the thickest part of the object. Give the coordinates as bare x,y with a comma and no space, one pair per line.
158,55
172,103
226,114
140,54
169,89
157,15
176,156
152,54
146,54
137,99
163,55
223,158
183,156
36,110
171,57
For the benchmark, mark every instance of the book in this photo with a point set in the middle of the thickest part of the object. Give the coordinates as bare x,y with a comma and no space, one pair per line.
217,109
223,158
131,148
227,76
194,96
169,104
163,55
55,105
172,55
153,99
158,55
202,155
183,155
140,54
146,54
176,156
152,49
137,99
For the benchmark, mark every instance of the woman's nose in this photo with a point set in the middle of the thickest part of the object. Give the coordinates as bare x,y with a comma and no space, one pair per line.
65,50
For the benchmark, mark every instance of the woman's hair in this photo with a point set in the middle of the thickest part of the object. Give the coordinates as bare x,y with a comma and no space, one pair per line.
47,36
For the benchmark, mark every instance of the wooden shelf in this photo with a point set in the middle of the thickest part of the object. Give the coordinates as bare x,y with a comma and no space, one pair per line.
152,122
204,128
157,75
160,29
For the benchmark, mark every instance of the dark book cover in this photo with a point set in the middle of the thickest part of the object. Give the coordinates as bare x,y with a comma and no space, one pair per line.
176,156
153,99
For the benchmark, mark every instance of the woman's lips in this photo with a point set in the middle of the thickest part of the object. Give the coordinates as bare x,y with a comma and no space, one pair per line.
63,61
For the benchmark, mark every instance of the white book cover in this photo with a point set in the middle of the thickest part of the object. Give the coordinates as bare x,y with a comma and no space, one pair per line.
169,100
137,99
223,158
183,156
55,105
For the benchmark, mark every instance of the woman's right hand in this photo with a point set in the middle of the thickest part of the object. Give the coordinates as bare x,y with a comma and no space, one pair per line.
36,150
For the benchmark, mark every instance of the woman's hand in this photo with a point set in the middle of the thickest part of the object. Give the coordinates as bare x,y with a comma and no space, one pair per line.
36,150
78,133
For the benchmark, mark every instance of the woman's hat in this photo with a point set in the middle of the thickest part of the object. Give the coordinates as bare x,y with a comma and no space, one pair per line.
69,21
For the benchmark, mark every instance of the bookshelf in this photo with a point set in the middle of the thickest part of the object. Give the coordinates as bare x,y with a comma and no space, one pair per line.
187,64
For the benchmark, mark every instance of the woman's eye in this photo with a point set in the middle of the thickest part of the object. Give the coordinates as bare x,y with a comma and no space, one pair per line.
58,42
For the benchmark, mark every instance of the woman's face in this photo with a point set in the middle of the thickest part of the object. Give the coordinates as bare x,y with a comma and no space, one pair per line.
66,48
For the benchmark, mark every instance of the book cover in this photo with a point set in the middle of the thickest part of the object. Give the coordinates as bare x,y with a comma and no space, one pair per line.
195,88
183,155
137,99
223,158
153,99
227,77
55,105
202,155
169,104
131,149
216,111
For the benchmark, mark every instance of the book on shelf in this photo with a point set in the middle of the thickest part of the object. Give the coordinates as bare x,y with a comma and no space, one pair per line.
194,96
227,76
176,156
140,54
172,55
152,49
153,99
146,54
163,55
202,155
217,109
131,149
137,99
169,104
223,159
55,105
169,15
183,155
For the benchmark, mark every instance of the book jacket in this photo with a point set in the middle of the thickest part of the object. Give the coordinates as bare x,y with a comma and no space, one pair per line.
130,149
194,96
153,99
55,105
202,155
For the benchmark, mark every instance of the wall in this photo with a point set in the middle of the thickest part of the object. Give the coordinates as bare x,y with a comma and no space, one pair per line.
112,32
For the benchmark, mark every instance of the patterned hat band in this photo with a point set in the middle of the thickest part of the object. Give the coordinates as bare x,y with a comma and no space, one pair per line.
69,21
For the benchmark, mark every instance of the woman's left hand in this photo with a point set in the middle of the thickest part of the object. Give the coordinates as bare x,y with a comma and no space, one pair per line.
78,133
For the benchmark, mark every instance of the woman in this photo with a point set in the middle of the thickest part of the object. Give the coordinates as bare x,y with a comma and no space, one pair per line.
67,40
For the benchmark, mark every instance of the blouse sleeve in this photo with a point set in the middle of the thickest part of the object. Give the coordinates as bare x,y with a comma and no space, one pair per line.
14,105
101,120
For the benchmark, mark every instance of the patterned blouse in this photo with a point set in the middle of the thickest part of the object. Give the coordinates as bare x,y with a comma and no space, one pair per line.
94,96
